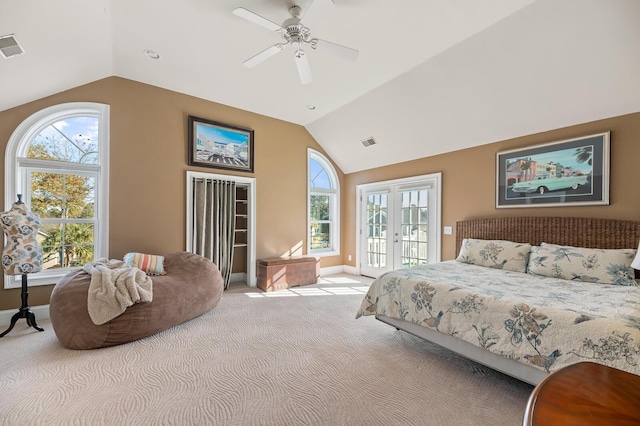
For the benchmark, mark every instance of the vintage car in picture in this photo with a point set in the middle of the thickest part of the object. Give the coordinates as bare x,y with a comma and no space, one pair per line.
544,183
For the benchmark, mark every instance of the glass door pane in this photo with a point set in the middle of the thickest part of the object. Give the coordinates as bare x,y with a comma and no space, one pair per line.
414,216
375,229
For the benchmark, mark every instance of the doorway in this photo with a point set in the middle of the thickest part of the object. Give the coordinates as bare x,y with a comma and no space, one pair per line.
245,223
399,224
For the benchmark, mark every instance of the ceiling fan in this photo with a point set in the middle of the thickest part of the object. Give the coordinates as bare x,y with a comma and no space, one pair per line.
295,31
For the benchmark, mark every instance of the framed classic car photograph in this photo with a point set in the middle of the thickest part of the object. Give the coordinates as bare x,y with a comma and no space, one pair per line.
573,172
221,146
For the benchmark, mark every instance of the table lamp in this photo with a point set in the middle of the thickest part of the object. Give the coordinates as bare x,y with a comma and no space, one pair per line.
636,262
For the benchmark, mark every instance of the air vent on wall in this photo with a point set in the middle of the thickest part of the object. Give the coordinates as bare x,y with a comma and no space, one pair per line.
9,46
368,142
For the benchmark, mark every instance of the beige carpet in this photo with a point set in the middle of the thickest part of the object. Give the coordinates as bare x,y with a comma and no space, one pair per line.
290,358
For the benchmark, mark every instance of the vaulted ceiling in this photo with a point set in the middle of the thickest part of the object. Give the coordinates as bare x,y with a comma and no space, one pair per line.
432,76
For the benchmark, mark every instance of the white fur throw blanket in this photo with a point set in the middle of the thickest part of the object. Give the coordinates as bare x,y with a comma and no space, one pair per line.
114,288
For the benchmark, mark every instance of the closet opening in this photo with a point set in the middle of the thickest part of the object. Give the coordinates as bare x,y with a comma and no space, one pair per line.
221,223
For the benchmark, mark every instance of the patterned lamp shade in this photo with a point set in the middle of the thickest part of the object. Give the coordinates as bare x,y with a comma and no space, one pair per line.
22,254
636,262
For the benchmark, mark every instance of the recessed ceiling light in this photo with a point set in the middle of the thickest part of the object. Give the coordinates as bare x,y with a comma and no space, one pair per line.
311,107
152,54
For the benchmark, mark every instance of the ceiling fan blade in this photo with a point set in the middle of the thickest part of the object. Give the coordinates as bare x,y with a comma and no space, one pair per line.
315,12
304,70
256,19
264,55
336,49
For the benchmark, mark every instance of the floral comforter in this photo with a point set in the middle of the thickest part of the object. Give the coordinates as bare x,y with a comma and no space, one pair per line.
543,322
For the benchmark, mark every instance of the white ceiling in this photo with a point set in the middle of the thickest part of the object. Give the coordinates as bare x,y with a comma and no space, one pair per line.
433,75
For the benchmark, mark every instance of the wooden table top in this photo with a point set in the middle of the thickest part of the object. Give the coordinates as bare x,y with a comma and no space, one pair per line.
585,394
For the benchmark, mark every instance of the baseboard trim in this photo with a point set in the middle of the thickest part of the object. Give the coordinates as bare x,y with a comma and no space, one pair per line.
238,277
350,270
41,312
330,270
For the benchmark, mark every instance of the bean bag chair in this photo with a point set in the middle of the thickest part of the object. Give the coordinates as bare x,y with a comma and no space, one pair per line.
192,286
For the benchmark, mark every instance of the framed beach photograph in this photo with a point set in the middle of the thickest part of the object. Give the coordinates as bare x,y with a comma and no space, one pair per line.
573,172
221,146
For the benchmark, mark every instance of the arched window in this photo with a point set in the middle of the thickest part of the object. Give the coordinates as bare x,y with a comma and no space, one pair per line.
324,206
58,159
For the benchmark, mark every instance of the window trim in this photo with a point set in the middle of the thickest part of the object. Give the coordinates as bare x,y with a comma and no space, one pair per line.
17,164
334,200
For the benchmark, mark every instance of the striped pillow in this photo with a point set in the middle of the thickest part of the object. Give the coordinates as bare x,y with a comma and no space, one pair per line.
149,263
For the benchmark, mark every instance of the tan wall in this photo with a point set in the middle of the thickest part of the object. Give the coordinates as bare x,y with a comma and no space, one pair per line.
148,144
149,164
468,180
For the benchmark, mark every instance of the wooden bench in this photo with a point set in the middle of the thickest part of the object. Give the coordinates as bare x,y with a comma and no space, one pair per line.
282,273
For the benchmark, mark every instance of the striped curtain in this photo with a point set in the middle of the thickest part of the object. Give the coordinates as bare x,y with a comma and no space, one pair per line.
214,211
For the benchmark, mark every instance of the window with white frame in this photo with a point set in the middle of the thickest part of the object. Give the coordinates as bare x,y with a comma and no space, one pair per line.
323,206
58,159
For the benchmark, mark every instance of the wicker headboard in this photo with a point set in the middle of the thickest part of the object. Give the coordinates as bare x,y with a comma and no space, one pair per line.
570,231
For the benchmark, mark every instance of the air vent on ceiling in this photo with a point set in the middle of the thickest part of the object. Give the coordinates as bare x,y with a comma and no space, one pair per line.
9,46
368,142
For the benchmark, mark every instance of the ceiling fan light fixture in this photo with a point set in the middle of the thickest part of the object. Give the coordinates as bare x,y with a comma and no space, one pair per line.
295,31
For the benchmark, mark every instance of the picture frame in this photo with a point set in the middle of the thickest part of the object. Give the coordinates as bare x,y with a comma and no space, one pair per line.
220,146
572,172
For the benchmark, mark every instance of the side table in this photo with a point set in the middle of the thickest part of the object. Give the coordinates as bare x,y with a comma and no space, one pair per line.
585,394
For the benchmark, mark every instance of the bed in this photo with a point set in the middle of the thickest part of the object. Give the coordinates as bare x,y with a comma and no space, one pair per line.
522,324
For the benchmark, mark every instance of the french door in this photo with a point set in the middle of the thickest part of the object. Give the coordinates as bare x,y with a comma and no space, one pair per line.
399,224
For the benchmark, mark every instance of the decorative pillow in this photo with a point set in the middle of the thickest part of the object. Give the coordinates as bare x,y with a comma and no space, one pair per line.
149,263
497,254
583,264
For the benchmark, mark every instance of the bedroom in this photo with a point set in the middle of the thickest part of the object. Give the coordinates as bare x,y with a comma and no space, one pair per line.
144,117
